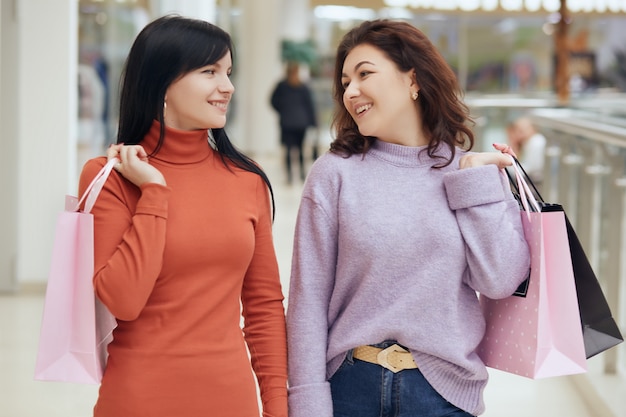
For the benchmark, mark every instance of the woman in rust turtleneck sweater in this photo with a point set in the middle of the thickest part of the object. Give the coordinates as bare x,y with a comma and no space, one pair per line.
183,241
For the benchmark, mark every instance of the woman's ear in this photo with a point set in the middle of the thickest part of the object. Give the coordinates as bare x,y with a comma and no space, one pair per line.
413,79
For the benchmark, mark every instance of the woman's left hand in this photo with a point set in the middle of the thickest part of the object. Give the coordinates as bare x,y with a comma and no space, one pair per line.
502,160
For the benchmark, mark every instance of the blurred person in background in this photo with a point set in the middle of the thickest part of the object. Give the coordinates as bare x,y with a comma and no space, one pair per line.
183,241
293,101
529,145
399,227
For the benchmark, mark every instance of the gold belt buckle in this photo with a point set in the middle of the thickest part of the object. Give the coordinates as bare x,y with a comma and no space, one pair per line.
383,357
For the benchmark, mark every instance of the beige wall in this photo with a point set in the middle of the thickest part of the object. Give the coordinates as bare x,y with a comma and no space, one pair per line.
38,90
9,101
46,121
258,66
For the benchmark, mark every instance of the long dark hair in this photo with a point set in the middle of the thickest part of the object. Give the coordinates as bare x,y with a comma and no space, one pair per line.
445,117
164,50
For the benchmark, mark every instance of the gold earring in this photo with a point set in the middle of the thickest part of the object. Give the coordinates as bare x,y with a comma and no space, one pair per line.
164,109
415,95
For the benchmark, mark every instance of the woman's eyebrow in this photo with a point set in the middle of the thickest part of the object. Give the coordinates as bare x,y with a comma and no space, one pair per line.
357,66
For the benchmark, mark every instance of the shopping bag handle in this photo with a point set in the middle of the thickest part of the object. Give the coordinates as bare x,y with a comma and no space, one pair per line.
528,180
93,190
523,189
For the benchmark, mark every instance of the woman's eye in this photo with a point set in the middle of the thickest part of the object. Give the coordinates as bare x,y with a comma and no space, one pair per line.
209,71
345,84
364,73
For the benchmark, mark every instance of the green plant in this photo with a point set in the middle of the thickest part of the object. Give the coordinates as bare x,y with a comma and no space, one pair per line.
303,52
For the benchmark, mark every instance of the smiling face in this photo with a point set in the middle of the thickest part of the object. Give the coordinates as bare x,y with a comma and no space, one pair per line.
378,96
199,99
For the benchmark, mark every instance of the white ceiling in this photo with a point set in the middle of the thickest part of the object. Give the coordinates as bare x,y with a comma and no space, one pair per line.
582,6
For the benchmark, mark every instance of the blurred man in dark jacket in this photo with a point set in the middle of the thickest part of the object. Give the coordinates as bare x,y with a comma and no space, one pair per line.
293,100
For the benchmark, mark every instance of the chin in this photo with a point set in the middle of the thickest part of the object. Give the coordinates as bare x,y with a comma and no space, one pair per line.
218,124
366,132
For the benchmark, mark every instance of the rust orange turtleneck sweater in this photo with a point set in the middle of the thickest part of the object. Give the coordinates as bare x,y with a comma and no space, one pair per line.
176,265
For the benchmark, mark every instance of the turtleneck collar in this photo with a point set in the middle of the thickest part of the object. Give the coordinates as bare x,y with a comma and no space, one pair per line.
406,156
179,146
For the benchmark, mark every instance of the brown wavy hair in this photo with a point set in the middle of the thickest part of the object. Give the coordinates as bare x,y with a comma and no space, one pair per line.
445,117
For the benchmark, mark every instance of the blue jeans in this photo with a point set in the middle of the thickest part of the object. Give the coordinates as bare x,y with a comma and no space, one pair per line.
362,389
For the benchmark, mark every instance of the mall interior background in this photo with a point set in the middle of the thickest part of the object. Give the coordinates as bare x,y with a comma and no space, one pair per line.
52,124
60,63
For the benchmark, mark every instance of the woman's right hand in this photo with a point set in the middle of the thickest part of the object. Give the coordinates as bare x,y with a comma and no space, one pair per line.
134,165
504,149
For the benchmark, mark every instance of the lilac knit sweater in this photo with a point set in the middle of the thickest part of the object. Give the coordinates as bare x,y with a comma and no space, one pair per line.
387,247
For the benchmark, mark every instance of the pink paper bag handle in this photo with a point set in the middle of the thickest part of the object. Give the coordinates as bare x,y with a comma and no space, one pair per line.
93,190
525,193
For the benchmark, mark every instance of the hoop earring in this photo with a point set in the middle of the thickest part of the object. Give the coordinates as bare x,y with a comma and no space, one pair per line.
164,109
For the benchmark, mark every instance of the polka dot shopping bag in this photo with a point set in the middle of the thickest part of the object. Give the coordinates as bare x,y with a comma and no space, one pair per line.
537,333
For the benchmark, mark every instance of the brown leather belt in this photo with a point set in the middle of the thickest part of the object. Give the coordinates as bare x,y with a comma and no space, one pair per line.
394,358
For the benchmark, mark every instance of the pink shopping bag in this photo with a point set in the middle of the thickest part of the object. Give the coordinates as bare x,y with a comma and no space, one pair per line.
76,328
538,335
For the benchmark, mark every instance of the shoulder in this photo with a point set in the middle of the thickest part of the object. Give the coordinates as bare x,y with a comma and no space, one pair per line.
90,170
329,173
230,169
485,174
281,85
244,178
458,154
324,173
330,165
95,163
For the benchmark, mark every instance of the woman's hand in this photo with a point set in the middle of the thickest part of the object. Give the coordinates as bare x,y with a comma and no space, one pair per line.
134,164
504,149
502,160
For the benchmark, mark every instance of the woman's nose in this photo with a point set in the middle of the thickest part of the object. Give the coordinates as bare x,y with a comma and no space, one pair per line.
352,90
227,86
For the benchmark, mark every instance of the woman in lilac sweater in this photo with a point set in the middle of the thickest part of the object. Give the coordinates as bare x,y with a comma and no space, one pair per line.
399,227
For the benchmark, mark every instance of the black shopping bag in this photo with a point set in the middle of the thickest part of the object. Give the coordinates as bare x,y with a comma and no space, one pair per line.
600,332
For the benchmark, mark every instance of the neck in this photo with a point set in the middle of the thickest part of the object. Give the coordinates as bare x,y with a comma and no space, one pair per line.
179,146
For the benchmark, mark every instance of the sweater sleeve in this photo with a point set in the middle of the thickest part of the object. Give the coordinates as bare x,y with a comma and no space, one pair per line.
311,285
264,314
129,233
489,220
